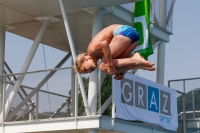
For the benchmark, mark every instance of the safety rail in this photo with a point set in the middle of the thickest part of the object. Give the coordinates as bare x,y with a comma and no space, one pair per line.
187,100
189,116
54,102
41,94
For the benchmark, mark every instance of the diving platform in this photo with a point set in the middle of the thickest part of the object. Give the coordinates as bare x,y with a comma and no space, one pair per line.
102,124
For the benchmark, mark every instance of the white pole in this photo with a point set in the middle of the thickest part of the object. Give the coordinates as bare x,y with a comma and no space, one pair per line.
76,97
193,104
184,110
113,103
71,43
170,11
2,55
31,114
106,104
161,47
72,91
25,66
93,78
160,63
37,105
4,98
152,10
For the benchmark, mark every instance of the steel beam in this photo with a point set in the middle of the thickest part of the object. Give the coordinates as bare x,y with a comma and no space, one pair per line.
184,109
73,50
121,13
106,104
93,77
170,10
160,33
72,91
2,55
161,47
76,97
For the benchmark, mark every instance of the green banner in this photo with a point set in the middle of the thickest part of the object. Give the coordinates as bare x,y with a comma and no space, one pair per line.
142,25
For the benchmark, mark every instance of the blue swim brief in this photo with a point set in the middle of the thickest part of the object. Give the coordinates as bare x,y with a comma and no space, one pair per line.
127,31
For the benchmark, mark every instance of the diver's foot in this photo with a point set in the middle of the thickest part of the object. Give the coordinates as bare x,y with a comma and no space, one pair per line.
150,68
138,60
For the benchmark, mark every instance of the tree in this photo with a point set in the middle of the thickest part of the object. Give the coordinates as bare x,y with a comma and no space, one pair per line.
81,107
189,103
106,91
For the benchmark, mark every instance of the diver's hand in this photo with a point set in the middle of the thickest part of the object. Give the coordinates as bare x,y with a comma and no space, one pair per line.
119,76
111,70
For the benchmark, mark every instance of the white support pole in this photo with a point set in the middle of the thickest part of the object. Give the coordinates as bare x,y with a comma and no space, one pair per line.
71,43
93,78
160,63
161,47
8,85
26,66
37,105
31,114
184,109
72,91
76,97
4,99
170,10
193,104
2,55
99,92
156,44
113,104
38,87
152,10
106,104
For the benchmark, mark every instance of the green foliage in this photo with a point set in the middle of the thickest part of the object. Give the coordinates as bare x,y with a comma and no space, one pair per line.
189,103
106,91
81,107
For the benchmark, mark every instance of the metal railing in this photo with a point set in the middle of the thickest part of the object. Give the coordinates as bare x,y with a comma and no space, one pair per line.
42,94
189,114
187,98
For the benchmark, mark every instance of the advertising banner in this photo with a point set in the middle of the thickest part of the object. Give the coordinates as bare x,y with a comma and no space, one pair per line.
140,99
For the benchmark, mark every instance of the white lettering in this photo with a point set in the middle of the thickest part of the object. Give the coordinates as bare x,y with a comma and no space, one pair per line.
153,100
140,95
166,97
130,95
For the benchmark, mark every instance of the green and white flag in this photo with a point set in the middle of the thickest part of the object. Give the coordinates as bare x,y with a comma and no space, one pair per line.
142,25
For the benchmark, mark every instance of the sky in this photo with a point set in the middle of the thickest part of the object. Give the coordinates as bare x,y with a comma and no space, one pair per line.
181,55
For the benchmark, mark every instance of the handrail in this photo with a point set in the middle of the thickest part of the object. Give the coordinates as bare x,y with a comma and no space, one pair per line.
55,69
187,112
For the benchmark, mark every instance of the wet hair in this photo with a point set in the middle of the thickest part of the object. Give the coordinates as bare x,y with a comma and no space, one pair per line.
78,62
